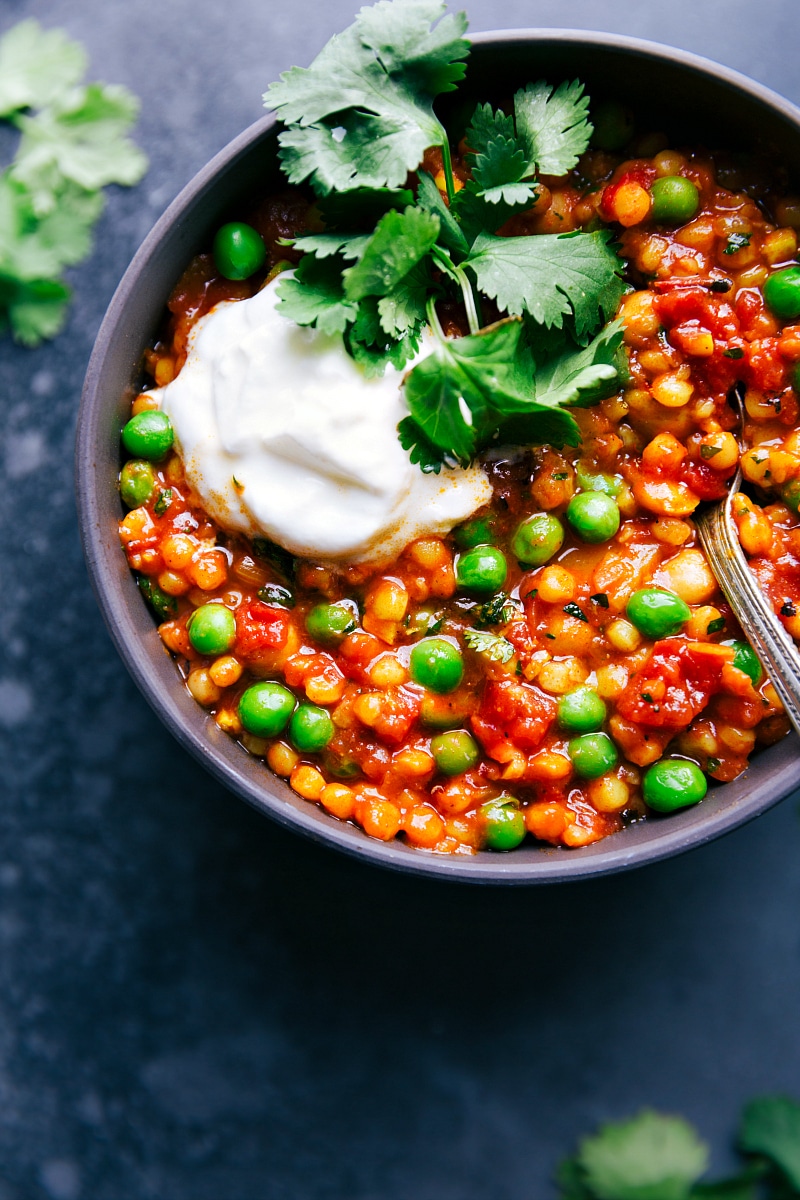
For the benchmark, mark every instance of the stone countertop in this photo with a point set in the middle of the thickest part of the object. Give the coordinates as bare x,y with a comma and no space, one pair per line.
195,1004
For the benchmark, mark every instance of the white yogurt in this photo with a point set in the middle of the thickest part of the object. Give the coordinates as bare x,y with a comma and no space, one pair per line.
283,437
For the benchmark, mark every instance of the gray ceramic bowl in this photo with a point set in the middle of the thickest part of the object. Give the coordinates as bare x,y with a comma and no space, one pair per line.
693,101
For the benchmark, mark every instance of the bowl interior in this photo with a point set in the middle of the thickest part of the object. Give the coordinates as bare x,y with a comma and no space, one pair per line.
695,103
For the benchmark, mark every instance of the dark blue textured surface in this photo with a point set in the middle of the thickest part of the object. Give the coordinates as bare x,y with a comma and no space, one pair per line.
195,1005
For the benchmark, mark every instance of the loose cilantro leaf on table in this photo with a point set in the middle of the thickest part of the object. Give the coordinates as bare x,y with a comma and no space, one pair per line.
650,1157
771,1129
657,1157
362,113
73,143
37,66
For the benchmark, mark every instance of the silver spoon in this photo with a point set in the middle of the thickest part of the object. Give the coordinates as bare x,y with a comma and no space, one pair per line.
778,653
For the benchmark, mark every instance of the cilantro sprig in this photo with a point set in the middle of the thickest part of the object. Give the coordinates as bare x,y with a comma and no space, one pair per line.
653,1156
357,123
73,143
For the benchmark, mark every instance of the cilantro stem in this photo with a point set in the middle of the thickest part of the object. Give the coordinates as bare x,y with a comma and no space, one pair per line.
433,318
471,302
447,166
459,275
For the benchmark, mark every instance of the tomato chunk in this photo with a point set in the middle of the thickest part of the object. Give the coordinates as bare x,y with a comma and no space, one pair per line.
260,627
513,713
675,684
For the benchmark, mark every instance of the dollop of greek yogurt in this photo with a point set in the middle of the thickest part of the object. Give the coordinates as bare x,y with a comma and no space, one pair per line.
282,436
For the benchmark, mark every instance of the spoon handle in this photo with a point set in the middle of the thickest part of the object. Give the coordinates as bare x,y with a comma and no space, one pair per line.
751,607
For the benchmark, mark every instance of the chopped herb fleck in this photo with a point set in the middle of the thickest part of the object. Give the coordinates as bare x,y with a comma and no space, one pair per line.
276,556
273,593
163,502
600,598
648,699
560,475
490,644
499,610
734,352
716,626
737,242
713,764
788,609
720,285
574,610
709,451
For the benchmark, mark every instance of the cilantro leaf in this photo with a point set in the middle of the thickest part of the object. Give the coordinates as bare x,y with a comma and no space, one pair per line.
498,158
551,276
400,242
324,245
476,215
570,1180
424,453
456,393
430,198
362,114
771,1128
36,66
314,295
478,390
35,310
553,125
649,1157
81,137
581,377
402,310
372,348
361,208
491,645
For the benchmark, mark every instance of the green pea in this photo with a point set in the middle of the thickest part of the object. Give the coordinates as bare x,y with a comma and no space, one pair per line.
597,481
310,728
613,125
455,752
537,539
592,754
673,783
212,629
594,516
136,482
239,250
265,708
340,766
329,623
746,659
657,612
675,200
436,664
503,824
782,293
790,494
477,532
482,569
148,435
581,711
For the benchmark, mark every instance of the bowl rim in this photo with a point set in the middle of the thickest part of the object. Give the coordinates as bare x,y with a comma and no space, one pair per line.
670,836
